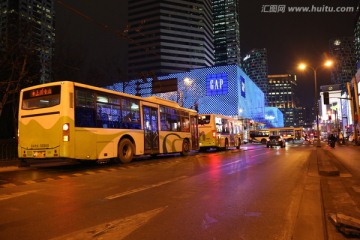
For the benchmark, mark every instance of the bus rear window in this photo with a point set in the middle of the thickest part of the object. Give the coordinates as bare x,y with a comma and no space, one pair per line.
41,97
204,119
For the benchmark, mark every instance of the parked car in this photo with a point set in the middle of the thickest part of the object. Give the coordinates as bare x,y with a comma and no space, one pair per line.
275,140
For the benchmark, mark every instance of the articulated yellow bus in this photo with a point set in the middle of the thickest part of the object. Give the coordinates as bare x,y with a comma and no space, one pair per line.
220,132
68,120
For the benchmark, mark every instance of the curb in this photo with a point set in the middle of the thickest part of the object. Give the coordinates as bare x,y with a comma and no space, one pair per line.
325,164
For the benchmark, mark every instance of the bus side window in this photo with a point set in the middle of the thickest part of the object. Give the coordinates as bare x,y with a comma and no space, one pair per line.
84,117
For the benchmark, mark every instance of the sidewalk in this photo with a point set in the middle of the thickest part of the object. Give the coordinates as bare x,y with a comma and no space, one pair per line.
340,196
9,165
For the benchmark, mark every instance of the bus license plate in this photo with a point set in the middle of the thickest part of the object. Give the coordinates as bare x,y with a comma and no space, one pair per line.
39,154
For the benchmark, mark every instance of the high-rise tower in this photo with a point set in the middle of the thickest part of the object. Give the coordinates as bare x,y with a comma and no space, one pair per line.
226,32
343,51
281,94
169,36
27,26
255,65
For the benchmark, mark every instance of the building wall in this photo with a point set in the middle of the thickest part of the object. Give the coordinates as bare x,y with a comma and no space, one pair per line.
225,90
169,36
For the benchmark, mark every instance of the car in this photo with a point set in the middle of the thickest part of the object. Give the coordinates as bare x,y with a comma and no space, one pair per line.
275,140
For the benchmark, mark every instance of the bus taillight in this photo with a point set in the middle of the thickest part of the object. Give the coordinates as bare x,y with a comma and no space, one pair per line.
214,134
66,132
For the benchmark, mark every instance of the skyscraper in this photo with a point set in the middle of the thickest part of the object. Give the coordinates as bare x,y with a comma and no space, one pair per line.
226,32
357,36
169,36
343,51
27,26
281,94
255,65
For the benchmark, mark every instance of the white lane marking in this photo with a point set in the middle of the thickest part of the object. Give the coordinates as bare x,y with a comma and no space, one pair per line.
114,230
118,195
14,195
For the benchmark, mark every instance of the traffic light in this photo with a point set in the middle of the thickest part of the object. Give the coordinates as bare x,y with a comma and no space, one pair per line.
326,98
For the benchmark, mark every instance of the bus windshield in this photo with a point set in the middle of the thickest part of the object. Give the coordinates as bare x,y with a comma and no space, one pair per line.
41,98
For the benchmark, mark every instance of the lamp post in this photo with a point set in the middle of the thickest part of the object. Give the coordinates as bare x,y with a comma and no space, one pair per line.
303,66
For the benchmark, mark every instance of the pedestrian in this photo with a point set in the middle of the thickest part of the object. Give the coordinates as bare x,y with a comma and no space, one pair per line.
332,140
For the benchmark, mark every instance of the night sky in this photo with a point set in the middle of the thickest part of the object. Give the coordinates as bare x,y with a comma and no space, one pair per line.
288,37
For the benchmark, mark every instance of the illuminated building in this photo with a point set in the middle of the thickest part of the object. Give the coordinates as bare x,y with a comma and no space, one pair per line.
255,65
29,24
357,37
336,115
226,32
343,52
169,36
281,94
224,90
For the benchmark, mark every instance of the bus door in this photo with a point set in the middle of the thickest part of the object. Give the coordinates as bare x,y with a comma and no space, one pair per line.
151,130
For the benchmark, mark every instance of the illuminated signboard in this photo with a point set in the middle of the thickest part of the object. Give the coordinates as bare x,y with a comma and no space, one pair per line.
242,86
42,92
216,84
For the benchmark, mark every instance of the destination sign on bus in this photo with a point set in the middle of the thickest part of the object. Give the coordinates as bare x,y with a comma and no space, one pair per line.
42,92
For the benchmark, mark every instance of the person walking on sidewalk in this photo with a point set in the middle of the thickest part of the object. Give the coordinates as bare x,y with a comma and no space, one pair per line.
332,140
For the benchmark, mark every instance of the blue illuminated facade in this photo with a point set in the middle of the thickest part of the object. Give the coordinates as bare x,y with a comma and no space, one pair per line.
224,90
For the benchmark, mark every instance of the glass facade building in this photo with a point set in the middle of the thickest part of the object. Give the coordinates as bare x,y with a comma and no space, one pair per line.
343,51
226,32
29,24
224,90
281,94
169,36
255,65
357,37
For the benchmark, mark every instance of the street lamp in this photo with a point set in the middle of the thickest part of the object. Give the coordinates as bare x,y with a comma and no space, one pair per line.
303,66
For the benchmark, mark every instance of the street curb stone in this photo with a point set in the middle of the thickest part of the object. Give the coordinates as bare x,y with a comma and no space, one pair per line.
325,164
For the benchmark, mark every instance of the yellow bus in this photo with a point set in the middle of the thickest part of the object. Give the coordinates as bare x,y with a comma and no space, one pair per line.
220,132
288,133
69,120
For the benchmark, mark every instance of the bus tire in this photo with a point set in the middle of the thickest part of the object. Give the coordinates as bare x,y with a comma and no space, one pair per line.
263,141
185,147
202,149
126,151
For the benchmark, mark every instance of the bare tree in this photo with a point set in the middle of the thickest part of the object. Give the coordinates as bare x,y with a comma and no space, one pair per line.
19,68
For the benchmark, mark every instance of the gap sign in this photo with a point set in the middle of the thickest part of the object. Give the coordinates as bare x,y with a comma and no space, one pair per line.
217,84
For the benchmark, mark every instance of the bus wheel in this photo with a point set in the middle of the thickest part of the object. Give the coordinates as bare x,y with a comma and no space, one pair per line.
126,151
185,147
202,149
263,141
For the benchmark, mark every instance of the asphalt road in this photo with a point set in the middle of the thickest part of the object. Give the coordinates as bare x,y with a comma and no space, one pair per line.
251,193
